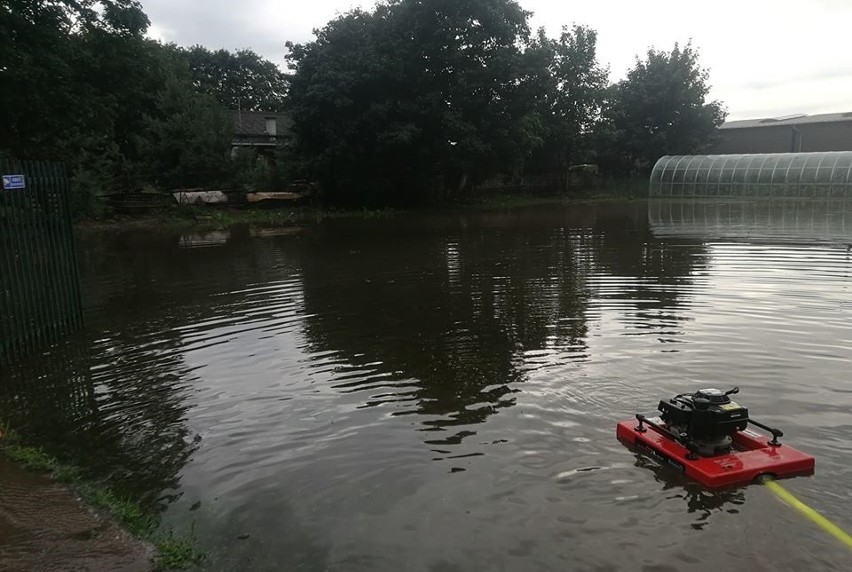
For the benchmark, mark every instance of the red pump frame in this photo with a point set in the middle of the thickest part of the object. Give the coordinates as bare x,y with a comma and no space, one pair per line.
753,456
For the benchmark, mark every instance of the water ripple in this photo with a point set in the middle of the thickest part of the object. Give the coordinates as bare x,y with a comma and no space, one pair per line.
442,392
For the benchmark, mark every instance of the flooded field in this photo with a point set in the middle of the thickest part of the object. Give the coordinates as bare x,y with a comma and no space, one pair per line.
439,392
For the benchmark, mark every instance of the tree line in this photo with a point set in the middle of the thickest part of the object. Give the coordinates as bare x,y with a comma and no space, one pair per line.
81,83
410,102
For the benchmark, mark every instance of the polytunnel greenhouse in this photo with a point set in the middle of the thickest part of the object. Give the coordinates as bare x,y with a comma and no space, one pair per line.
771,175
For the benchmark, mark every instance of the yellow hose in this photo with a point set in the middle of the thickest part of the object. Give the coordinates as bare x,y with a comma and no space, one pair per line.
809,513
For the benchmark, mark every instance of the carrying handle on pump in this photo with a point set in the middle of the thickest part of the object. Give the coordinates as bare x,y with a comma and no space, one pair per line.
682,439
775,432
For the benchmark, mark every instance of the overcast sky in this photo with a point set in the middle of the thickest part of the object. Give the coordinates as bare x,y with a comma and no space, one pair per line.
766,57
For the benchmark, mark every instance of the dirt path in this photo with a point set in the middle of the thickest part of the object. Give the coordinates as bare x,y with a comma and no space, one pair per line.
43,526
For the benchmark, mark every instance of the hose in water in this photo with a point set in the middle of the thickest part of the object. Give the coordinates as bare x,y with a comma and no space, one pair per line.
809,513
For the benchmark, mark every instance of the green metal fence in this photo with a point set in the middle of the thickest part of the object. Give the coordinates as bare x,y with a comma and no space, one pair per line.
39,285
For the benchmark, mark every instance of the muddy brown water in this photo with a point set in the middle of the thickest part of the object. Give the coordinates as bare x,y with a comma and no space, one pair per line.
440,391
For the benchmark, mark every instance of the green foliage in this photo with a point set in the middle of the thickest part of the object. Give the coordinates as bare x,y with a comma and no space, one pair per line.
62,96
574,86
35,458
124,510
186,141
81,84
94,173
238,80
419,101
660,109
413,101
31,458
44,82
262,172
59,87
176,552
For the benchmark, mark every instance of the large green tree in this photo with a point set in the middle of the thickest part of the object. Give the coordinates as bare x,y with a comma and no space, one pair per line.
185,140
660,108
50,56
416,100
238,80
573,88
80,83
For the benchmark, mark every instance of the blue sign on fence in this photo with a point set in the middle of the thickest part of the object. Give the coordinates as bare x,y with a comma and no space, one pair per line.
13,182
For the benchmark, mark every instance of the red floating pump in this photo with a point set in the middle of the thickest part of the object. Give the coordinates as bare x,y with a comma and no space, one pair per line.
704,435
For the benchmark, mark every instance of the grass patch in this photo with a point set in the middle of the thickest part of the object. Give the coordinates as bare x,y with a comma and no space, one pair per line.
173,552
618,189
124,510
621,193
30,458
176,552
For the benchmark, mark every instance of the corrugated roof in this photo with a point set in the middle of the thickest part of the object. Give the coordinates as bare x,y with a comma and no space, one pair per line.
789,120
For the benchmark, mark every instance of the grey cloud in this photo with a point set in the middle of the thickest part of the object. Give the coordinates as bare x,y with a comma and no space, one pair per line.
223,24
809,76
265,25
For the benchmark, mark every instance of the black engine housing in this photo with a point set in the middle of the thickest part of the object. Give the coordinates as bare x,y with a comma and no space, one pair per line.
708,417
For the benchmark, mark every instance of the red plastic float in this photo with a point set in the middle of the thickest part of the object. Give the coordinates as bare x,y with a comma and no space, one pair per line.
705,436
752,456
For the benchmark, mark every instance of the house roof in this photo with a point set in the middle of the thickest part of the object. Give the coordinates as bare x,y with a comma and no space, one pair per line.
253,123
801,119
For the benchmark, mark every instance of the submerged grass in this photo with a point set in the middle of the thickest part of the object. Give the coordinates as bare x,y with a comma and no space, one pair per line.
173,551
211,218
616,191
510,201
187,218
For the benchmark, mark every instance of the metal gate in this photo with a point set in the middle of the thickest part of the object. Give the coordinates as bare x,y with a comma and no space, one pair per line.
39,284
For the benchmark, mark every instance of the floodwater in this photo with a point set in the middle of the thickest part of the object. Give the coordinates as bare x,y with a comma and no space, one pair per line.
439,392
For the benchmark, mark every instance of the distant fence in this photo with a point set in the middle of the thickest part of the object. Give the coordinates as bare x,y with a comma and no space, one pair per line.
39,285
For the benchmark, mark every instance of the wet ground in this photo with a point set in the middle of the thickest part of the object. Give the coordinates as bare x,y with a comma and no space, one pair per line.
44,527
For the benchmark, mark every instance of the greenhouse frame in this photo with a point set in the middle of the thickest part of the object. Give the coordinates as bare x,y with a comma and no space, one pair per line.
826,175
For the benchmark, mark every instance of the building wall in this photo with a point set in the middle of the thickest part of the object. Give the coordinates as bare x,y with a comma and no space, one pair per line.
834,136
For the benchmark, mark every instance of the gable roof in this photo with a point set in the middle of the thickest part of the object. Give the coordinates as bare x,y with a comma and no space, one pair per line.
253,123
801,119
